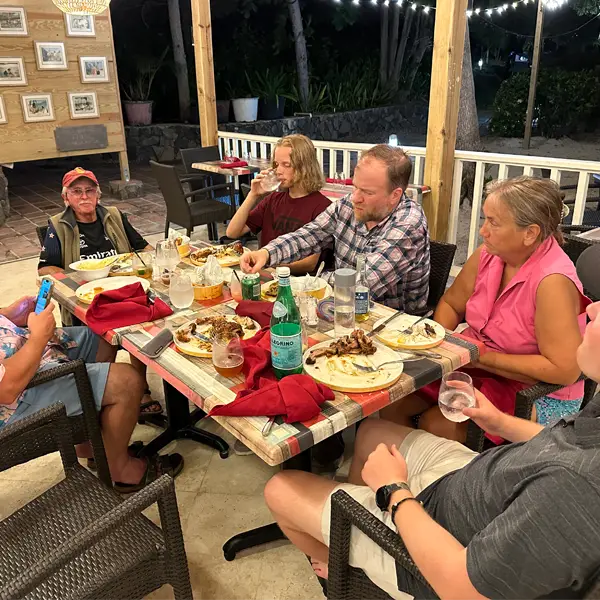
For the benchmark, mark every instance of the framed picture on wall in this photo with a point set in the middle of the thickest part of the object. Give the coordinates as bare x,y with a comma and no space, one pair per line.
80,25
3,118
94,69
12,71
51,55
13,20
83,105
37,107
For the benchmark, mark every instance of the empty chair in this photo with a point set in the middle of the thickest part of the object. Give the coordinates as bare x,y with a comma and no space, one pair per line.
180,212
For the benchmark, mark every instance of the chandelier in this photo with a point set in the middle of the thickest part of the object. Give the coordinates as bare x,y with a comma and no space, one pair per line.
82,7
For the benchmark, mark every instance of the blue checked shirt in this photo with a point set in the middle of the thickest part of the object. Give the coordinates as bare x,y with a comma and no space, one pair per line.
397,250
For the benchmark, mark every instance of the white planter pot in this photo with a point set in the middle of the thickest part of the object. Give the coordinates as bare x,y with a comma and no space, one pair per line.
245,109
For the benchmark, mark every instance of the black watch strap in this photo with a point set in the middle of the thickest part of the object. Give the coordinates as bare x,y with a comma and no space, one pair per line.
397,505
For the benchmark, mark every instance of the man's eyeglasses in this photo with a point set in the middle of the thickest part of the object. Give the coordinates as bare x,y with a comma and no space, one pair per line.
79,192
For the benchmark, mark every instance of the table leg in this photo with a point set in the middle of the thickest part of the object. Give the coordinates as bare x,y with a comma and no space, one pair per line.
266,533
180,424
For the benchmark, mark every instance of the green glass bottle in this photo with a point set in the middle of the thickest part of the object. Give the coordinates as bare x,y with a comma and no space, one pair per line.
286,329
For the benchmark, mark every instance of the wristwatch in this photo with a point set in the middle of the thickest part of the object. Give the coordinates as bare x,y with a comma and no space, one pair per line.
384,494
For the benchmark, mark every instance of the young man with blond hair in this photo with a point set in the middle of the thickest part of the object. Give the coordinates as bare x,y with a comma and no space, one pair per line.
297,202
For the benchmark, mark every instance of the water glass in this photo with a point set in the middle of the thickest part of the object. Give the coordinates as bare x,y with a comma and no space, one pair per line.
456,393
167,255
181,291
227,355
270,182
235,287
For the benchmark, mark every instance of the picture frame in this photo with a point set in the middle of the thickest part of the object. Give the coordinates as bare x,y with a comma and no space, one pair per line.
3,117
12,71
83,105
51,56
94,69
13,21
80,25
37,108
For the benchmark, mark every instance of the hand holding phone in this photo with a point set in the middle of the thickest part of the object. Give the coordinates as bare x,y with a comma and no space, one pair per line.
44,295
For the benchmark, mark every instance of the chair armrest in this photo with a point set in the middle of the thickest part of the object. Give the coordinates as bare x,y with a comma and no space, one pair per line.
75,366
570,228
86,538
345,513
211,188
526,398
42,417
199,177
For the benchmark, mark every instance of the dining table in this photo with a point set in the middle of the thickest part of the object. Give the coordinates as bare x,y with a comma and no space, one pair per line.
192,380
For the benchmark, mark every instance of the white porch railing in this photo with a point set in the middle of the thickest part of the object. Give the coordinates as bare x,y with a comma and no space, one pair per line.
341,156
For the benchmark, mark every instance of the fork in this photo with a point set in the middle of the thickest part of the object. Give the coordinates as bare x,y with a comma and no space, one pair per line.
409,330
368,369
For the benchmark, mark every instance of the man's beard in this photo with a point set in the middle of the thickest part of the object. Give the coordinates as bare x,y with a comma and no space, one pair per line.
371,216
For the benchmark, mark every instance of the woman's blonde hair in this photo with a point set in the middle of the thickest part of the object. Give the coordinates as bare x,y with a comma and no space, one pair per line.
532,201
308,173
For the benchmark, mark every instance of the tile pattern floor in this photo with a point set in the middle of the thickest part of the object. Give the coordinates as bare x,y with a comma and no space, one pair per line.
34,195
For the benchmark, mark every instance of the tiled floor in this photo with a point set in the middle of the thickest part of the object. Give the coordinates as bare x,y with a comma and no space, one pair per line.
217,499
35,196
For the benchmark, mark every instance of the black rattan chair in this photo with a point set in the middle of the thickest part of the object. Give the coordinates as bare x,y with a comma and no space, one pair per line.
80,539
588,271
203,211
41,231
85,427
441,257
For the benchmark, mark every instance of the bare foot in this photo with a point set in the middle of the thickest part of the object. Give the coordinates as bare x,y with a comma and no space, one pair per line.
320,568
132,472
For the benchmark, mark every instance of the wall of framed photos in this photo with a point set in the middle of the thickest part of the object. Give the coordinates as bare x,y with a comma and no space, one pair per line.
56,70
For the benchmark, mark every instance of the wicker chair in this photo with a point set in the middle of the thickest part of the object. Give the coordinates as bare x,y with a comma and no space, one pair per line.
83,427
441,257
80,539
41,231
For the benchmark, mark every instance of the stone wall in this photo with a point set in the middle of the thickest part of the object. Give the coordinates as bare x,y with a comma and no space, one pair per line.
374,125
4,205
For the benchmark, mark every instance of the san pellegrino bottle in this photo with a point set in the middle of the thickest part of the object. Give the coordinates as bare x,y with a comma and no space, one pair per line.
362,293
286,329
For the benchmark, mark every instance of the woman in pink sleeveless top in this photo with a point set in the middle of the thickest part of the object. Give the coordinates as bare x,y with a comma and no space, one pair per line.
520,295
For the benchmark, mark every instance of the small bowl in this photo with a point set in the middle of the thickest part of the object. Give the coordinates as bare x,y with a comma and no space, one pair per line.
90,274
208,292
318,292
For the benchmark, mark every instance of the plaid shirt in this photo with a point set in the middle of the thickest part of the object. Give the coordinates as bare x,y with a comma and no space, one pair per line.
397,250
13,338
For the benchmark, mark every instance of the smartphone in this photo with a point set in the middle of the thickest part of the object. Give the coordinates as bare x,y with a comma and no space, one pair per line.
156,346
44,296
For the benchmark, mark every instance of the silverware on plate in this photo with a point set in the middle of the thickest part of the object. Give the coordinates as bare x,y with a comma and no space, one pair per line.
409,330
382,325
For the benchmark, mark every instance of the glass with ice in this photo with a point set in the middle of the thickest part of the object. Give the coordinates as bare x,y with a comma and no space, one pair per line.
456,393
269,182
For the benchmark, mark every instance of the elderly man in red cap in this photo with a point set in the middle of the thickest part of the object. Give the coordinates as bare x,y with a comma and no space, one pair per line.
85,229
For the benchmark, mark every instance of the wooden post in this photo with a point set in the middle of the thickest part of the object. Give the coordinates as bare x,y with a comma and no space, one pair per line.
537,46
205,74
444,97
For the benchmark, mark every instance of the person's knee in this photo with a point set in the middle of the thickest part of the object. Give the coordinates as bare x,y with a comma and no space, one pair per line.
279,490
369,435
124,380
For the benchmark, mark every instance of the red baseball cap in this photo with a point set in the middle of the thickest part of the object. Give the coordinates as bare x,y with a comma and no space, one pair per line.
76,173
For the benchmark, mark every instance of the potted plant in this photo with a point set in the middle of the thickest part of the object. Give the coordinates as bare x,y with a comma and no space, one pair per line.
136,89
272,87
245,105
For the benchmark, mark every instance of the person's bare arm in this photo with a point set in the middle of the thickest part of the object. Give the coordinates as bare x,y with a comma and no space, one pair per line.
237,226
558,304
450,310
305,265
50,270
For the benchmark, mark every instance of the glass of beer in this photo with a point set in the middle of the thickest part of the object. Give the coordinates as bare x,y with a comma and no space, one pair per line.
227,355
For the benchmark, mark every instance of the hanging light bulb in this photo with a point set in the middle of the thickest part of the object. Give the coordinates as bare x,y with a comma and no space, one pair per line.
414,6
488,12
469,14
82,7
374,2
514,4
500,9
480,63
477,11
426,9
357,2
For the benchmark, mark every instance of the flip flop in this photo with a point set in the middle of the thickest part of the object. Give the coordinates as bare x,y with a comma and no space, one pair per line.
152,407
171,464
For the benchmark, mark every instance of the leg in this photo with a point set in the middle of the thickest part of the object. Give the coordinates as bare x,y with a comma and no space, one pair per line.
403,411
434,421
371,433
105,352
296,500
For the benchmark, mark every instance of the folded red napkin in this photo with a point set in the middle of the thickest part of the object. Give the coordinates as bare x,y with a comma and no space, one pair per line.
258,310
232,162
126,306
347,181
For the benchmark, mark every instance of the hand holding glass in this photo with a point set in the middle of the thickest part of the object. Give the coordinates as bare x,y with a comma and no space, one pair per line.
270,182
227,356
181,291
456,393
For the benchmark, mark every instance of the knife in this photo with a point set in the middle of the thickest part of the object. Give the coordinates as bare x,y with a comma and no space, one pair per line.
382,325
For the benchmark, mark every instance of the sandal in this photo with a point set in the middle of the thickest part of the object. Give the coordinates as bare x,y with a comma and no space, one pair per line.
150,407
171,464
134,450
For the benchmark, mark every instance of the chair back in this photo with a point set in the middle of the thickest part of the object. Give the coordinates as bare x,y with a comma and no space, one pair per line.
178,210
245,189
441,257
41,231
189,156
588,271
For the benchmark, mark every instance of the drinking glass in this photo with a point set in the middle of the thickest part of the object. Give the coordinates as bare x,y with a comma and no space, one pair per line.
227,355
456,393
270,183
167,255
142,265
181,291
235,287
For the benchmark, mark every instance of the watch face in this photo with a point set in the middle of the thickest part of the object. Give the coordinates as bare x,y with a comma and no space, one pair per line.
382,497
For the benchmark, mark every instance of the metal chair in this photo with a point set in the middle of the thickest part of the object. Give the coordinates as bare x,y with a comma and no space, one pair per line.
80,539
348,583
189,215
41,231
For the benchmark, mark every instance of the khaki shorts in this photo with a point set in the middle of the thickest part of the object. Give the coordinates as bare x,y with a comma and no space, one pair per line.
428,458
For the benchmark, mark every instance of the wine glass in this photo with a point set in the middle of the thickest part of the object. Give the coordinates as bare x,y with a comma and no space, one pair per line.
227,355
167,255
456,393
181,291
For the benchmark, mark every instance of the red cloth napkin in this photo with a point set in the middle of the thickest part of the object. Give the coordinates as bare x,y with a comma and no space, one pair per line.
347,181
296,397
232,162
258,310
126,306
